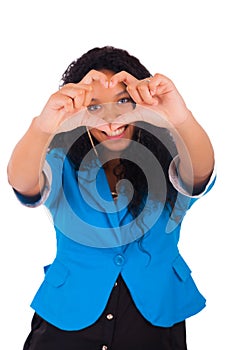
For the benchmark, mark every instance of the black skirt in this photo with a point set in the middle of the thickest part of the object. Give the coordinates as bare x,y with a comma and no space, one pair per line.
120,327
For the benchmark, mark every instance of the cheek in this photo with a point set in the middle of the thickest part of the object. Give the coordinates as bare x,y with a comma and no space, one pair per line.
97,134
130,132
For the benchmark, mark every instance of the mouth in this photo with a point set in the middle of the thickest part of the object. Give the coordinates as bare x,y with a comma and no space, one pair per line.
115,134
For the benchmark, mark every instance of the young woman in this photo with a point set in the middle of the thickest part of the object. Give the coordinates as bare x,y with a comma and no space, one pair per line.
118,159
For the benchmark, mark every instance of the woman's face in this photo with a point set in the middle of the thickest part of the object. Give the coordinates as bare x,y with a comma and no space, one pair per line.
108,104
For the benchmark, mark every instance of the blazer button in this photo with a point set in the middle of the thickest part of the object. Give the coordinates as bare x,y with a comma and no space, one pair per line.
109,316
119,260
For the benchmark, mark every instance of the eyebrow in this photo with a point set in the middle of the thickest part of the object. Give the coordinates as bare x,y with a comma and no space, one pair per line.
119,94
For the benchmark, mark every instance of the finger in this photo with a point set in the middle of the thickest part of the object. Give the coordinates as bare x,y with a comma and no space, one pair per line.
73,90
144,91
95,75
82,118
134,94
159,83
71,122
79,99
127,118
87,98
122,77
142,113
58,101
96,123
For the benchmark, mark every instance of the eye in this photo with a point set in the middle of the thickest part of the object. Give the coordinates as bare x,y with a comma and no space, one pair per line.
125,100
94,108
126,104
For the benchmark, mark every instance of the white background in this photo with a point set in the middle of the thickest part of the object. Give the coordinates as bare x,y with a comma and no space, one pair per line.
189,41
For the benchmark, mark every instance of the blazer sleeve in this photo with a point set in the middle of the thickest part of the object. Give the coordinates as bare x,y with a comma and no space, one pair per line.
180,186
52,171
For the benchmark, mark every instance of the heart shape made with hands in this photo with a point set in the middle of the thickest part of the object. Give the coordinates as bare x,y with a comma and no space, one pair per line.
139,114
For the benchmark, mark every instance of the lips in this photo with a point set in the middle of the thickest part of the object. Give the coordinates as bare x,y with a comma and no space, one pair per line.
116,133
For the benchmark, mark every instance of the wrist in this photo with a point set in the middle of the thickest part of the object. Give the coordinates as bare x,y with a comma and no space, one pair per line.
182,121
39,129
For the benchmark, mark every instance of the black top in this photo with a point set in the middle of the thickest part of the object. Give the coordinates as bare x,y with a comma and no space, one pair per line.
120,327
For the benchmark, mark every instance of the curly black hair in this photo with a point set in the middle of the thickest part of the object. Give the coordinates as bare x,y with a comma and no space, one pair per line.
156,140
109,58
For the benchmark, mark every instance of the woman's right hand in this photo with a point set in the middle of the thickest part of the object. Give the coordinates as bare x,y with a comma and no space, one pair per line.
27,159
68,101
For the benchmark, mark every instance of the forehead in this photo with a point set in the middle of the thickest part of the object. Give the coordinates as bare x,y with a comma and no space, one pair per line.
107,72
103,93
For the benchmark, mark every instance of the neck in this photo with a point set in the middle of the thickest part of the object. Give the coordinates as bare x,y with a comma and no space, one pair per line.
109,159
111,164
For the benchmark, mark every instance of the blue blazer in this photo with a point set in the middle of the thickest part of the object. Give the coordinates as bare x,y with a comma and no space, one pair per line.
98,239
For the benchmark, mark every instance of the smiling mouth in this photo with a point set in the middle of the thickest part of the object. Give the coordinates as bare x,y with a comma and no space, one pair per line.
116,133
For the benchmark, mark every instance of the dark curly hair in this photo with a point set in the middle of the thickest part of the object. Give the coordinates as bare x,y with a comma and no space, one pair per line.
157,140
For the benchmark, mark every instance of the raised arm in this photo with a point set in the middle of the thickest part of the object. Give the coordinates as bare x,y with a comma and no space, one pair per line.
193,144
26,162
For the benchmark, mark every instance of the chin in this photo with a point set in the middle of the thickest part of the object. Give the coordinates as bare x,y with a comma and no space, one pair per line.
116,145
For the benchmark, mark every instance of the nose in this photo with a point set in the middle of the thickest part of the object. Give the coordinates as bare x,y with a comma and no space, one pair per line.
110,112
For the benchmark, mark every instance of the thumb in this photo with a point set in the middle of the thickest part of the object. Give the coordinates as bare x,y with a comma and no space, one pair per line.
82,118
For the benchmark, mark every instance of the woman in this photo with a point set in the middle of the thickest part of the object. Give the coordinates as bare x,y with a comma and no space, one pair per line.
118,160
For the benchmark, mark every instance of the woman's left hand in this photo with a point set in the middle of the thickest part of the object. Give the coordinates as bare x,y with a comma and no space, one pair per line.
157,92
